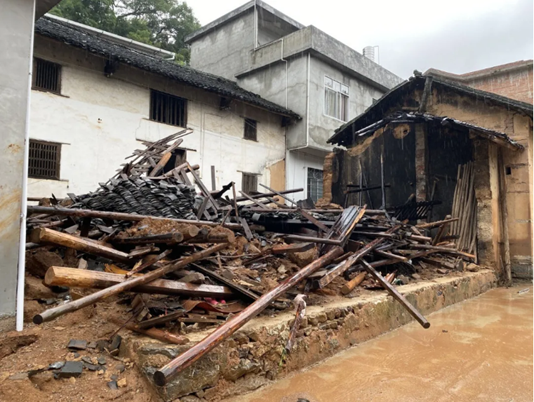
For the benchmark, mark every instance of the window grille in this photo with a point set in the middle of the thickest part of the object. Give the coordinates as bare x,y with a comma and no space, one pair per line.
44,160
168,109
251,130
315,184
336,99
249,183
46,76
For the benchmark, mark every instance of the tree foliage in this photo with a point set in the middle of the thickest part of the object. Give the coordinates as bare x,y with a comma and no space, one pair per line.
161,23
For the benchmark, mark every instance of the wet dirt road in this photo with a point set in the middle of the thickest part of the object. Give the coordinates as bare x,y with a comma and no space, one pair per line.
477,350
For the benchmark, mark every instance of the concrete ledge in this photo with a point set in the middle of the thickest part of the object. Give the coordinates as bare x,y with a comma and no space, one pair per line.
252,357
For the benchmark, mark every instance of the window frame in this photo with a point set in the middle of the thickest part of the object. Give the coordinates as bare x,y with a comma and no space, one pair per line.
244,177
153,115
250,124
341,94
39,63
308,177
57,161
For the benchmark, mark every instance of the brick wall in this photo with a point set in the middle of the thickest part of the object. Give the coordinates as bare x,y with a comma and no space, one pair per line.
516,84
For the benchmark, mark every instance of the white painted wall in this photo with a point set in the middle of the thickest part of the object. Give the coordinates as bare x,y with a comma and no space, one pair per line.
100,121
297,164
16,25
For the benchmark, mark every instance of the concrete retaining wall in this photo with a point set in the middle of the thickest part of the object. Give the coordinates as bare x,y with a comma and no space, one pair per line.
252,357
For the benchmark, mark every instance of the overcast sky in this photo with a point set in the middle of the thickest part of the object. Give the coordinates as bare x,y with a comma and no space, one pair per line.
455,35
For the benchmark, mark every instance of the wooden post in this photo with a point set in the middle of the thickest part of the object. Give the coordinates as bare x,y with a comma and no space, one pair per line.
504,220
400,298
124,286
45,235
350,285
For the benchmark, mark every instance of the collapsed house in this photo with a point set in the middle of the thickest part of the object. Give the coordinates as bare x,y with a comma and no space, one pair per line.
192,262
431,148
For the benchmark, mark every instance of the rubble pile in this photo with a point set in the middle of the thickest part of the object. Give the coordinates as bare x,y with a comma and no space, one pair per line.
185,258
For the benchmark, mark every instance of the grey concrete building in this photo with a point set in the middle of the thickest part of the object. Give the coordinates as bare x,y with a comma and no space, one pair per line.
299,67
16,54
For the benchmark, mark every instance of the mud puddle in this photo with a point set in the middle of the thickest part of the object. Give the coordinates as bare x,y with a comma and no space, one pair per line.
477,350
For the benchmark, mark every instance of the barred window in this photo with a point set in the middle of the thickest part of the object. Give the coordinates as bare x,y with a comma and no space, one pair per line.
44,160
249,183
168,109
46,75
315,184
336,99
251,130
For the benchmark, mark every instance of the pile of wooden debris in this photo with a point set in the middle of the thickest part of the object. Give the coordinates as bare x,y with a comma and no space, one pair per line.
185,261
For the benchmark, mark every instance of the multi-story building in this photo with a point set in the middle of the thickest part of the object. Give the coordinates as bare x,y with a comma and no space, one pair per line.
301,68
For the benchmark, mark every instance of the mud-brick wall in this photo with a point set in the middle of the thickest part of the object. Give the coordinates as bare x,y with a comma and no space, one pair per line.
517,165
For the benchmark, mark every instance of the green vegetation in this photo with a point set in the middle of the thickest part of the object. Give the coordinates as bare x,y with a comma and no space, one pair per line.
161,23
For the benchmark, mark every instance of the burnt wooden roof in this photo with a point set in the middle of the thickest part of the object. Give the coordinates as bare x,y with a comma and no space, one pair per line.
377,111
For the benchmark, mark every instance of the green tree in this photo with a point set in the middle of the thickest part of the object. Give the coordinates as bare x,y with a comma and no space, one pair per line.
161,23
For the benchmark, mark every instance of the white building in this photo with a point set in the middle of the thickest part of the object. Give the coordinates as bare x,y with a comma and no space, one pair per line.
302,68
97,96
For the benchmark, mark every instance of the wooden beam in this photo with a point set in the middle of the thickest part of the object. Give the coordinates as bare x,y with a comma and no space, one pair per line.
119,216
84,278
187,358
124,286
45,235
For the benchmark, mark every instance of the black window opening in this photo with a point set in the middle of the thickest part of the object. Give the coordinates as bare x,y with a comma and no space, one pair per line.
251,130
46,76
315,184
44,160
168,109
249,183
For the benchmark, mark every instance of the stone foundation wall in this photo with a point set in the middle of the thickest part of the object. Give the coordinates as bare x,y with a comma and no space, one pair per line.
253,356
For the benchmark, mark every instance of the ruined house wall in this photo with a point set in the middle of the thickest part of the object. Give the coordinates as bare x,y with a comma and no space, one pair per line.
518,165
101,120
398,148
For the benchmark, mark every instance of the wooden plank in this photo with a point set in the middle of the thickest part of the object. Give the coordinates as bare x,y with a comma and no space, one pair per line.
155,333
292,248
313,220
248,233
83,278
245,292
166,238
248,197
279,194
349,262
